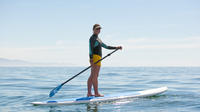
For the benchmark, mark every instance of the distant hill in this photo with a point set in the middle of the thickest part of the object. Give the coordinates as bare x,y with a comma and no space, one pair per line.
10,62
15,62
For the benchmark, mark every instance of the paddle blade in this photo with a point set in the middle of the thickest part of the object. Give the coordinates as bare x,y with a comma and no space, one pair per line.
55,90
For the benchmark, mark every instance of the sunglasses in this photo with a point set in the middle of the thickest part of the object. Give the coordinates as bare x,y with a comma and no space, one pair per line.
97,28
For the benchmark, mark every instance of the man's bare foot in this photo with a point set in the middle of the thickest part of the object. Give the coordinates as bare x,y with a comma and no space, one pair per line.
99,95
88,95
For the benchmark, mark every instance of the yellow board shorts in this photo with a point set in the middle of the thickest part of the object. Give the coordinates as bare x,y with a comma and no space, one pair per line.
96,58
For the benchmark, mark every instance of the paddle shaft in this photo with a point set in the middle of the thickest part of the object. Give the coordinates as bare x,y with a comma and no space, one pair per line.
89,67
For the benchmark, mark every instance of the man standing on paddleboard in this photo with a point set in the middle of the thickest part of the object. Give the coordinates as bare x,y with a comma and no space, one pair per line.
95,54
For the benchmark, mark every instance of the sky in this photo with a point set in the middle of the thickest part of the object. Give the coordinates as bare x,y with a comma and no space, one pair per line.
151,32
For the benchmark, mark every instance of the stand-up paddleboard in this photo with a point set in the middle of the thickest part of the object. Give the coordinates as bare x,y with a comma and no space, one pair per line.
112,97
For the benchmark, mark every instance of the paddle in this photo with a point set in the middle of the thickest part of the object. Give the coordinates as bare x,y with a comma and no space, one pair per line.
55,90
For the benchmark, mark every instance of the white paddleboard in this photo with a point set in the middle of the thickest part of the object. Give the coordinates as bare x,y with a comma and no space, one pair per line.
112,97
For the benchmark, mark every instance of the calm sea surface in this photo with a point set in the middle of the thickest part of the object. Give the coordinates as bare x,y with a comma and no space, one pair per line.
19,86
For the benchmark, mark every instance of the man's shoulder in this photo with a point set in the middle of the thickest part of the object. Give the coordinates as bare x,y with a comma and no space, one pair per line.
93,37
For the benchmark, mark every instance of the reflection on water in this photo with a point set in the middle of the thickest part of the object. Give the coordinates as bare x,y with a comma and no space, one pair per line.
88,108
92,107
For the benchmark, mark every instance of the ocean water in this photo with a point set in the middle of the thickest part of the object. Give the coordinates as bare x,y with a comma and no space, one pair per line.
19,86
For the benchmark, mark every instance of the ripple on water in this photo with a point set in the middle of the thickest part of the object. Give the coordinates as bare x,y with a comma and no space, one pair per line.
20,86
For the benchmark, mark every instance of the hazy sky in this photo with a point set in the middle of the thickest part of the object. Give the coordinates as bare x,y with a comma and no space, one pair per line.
152,32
